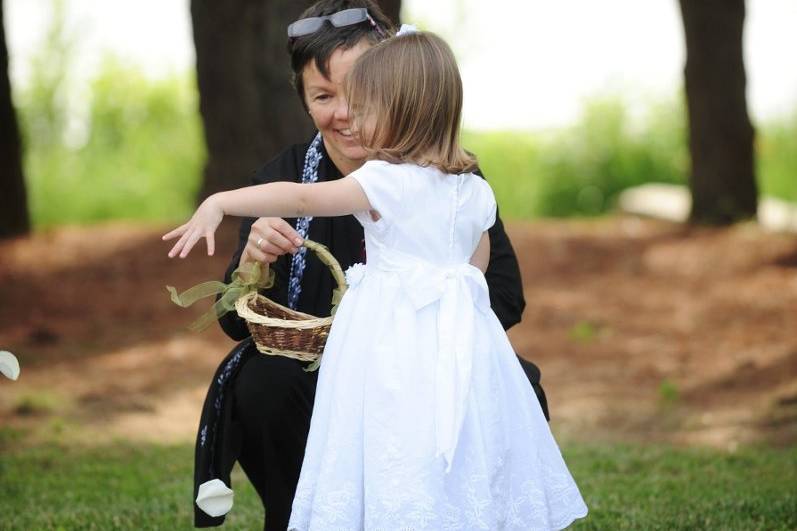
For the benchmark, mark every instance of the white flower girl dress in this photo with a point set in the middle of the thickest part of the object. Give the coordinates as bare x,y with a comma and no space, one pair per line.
423,417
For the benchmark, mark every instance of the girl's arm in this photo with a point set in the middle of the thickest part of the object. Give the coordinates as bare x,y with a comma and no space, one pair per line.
279,199
294,200
481,256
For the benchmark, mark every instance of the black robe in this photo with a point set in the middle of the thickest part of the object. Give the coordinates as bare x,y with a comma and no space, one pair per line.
257,410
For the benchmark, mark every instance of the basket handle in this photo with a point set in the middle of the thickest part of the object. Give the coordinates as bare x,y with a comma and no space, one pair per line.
323,254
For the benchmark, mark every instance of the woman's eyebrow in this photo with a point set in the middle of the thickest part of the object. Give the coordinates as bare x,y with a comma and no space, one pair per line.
318,88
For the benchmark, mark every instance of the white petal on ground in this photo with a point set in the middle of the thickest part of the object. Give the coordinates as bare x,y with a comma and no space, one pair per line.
214,497
9,365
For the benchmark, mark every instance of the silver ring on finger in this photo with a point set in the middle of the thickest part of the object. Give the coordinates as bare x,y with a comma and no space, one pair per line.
259,241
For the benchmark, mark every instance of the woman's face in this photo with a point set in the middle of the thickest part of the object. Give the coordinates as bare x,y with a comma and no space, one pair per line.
329,110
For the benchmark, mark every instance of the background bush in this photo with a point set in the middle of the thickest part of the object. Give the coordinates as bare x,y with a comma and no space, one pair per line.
132,148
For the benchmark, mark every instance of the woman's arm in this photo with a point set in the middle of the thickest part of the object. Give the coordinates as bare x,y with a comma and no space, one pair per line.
503,277
284,199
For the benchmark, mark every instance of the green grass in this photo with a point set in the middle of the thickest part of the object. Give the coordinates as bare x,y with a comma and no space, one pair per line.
662,488
113,487
625,486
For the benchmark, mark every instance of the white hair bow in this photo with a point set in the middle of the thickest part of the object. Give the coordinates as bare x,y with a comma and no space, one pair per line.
406,29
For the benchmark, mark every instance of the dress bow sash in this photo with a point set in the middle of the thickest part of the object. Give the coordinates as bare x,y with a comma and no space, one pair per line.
461,291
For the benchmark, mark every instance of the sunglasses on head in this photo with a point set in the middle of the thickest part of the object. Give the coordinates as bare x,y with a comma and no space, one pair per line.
347,17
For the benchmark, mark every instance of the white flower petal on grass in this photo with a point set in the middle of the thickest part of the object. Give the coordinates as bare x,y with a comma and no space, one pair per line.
9,365
214,497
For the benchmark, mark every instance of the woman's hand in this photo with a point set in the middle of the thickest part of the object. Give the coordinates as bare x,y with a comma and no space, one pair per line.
203,224
268,239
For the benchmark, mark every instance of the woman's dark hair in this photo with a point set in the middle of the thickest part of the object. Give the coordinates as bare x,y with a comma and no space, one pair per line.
320,45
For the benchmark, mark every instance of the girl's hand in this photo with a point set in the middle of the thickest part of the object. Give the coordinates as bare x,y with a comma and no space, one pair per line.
203,224
268,239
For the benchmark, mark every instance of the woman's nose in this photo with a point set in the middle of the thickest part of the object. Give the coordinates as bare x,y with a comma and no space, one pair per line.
342,110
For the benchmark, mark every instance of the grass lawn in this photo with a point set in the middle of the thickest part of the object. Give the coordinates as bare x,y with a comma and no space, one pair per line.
625,486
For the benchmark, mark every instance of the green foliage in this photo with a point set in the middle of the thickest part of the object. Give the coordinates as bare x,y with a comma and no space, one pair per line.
586,166
49,73
136,152
625,486
776,150
580,170
509,160
141,158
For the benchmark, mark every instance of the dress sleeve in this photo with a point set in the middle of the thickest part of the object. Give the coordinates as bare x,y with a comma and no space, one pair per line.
489,206
383,184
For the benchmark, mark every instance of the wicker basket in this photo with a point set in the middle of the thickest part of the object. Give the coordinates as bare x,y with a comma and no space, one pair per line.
280,331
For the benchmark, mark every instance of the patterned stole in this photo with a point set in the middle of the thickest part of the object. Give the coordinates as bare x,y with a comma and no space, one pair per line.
309,175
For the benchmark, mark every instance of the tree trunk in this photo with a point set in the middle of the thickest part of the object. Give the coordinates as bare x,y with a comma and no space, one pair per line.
14,219
249,109
391,8
720,134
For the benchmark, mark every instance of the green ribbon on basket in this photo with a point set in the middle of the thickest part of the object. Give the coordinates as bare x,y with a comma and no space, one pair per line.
246,279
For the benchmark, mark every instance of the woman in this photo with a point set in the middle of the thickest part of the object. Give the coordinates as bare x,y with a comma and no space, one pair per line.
258,407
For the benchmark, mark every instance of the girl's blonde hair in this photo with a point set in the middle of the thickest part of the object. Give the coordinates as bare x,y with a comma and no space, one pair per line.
409,92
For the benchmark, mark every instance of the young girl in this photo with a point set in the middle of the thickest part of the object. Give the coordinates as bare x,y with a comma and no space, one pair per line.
423,417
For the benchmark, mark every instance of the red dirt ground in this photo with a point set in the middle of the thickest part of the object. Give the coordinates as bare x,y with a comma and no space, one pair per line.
644,331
